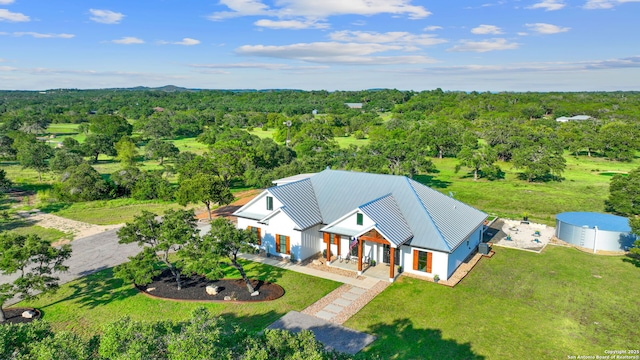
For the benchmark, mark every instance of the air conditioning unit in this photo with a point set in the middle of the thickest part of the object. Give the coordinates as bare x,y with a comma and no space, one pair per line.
484,248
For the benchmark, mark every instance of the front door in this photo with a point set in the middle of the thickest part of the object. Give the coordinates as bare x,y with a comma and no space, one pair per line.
386,255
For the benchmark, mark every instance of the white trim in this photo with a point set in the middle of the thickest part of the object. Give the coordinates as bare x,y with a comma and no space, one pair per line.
253,201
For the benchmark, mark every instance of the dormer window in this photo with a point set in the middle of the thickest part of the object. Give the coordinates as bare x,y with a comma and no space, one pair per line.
269,203
359,219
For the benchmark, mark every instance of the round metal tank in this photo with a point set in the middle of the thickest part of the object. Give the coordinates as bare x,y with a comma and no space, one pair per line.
594,231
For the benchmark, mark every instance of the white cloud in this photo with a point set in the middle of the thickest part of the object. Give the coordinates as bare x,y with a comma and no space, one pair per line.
486,29
605,4
397,37
523,33
106,16
128,40
291,24
621,63
432,28
241,8
6,15
320,9
334,52
185,42
255,65
484,46
548,5
7,68
6,2
546,29
44,36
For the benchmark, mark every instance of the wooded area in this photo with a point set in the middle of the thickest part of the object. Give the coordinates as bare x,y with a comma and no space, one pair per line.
187,139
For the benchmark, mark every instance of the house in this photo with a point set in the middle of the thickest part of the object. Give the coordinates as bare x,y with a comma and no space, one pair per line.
573,118
389,219
354,105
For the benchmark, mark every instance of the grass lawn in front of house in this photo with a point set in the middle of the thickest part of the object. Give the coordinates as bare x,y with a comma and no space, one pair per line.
515,305
85,305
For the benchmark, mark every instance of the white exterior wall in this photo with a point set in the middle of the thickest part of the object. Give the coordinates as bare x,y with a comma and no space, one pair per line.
439,262
278,225
351,222
311,241
260,205
464,250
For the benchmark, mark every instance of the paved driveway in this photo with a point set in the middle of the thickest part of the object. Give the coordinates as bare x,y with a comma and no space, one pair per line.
90,254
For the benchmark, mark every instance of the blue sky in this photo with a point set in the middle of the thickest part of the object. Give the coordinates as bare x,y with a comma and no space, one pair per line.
506,45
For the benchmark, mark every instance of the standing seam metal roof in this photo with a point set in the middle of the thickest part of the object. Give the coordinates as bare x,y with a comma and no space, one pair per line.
388,218
436,221
299,202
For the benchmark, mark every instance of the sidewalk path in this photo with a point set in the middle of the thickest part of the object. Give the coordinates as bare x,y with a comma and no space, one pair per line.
326,316
366,283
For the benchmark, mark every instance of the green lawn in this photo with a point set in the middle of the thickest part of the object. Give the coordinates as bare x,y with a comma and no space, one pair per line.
51,235
515,305
108,212
63,129
85,305
583,189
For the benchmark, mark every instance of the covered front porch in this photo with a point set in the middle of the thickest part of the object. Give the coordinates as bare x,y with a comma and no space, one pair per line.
378,271
369,252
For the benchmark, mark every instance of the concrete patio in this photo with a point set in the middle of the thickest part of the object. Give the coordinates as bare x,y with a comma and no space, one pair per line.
521,235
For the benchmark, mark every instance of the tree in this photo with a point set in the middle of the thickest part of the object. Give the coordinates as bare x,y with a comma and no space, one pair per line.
64,159
82,183
206,188
225,240
480,159
35,261
126,151
158,149
540,155
618,140
634,251
5,183
34,155
159,237
105,131
624,194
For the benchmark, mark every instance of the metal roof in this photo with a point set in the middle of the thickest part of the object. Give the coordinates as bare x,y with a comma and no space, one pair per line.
605,222
299,202
293,178
454,219
388,218
398,205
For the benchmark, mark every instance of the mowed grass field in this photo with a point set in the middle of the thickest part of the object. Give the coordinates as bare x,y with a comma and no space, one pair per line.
515,305
584,188
85,305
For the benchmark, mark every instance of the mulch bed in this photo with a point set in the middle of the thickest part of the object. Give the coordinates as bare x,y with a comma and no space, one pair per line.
14,315
194,289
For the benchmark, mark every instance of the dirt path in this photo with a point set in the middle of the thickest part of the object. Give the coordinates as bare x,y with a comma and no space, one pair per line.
226,211
77,229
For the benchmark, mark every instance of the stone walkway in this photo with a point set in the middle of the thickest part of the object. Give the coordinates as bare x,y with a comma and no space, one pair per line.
344,302
326,316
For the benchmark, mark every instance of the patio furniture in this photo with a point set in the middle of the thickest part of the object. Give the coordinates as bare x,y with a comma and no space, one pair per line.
508,238
536,233
536,240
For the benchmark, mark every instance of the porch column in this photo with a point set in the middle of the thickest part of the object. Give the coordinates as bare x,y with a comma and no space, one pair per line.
392,262
328,240
359,257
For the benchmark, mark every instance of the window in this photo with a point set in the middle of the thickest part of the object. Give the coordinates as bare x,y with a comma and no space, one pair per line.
256,230
282,244
332,239
269,203
359,219
422,260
